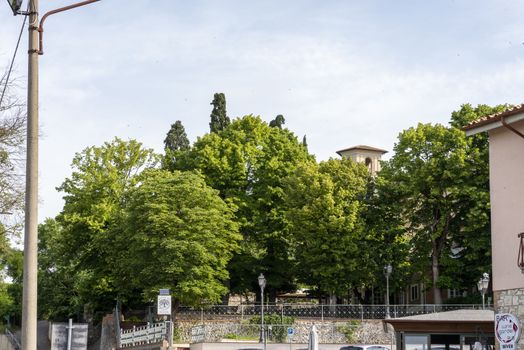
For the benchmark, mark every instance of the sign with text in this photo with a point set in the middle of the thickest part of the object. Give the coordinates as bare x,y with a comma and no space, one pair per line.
198,334
59,334
164,305
507,330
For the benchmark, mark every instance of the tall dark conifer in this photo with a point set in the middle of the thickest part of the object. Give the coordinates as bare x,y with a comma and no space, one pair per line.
176,139
219,118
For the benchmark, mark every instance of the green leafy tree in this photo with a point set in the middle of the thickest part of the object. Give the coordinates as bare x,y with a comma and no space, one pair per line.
325,203
58,297
175,143
12,158
94,196
176,139
471,254
247,163
177,233
10,292
219,118
383,241
431,177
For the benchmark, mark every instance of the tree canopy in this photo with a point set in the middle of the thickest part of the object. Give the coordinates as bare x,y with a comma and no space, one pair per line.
219,119
177,233
248,198
247,163
325,214
440,185
175,143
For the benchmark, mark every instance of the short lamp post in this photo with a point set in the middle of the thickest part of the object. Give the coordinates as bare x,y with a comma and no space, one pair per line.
262,284
482,286
388,269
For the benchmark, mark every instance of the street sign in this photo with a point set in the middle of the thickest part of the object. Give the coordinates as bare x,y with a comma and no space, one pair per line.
15,5
290,331
59,334
507,330
164,305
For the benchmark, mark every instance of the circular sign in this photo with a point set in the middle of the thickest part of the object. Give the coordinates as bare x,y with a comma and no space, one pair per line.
290,331
507,328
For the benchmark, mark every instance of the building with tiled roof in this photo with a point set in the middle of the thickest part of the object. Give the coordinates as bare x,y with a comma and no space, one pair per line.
506,173
364,154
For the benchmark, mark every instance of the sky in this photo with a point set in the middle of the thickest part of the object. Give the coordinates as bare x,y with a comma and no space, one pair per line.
344,73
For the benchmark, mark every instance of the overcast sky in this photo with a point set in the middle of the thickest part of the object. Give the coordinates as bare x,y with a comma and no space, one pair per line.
341,72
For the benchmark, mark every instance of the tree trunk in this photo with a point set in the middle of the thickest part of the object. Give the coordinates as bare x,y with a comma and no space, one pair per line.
332,302
435,272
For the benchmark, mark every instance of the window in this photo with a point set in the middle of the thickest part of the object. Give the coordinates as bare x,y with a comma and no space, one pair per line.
369,163
456,293
415,293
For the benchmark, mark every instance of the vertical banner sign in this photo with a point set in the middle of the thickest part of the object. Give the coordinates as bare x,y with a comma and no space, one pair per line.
507,330
164,305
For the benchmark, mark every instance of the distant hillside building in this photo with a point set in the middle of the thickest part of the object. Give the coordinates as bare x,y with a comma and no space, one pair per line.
364,154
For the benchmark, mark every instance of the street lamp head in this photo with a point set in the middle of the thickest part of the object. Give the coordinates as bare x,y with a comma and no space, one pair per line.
262,281
15,5
483,283
388,269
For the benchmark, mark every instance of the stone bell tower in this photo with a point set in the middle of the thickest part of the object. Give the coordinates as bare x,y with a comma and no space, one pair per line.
364,154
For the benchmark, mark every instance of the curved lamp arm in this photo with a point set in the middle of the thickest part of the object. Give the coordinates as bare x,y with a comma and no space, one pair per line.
52,12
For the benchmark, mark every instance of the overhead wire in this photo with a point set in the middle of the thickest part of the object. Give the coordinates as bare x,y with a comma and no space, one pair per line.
12,62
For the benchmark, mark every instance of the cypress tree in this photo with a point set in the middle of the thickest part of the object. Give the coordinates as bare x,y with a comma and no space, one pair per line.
219,118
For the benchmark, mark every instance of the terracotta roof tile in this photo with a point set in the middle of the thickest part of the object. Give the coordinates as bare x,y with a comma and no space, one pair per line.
495,117
363,147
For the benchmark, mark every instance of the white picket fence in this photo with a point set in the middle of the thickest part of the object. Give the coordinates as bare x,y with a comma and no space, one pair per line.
148,334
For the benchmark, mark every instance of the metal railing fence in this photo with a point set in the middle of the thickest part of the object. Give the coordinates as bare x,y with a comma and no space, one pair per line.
316,311
14,341
148,334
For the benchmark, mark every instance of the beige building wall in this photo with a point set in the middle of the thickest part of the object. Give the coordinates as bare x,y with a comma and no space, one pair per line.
367,157
507,205
506,152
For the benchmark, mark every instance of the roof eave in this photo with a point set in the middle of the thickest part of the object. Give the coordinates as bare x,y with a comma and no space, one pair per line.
494,124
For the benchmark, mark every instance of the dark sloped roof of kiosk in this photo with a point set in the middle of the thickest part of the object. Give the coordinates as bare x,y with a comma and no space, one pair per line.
455,315
457,321
364,148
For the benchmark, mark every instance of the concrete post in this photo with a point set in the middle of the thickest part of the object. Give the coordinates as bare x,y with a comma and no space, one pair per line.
29,299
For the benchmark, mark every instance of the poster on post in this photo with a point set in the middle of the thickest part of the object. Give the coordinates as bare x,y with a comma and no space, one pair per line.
507,330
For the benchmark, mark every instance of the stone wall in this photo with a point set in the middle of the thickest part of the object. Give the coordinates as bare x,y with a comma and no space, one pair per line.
356,332
511,301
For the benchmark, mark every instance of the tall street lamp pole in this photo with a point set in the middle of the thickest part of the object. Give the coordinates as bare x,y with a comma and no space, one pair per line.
262,285
29,298
30,284
482,286
388,269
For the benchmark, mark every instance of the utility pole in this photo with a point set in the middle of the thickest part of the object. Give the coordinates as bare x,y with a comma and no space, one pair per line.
29,302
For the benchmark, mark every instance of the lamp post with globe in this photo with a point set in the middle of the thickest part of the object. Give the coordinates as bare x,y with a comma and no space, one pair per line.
388,269
262,285
482,286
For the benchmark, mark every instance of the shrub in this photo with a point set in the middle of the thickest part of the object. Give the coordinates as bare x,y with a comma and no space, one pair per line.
349,330
279,325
